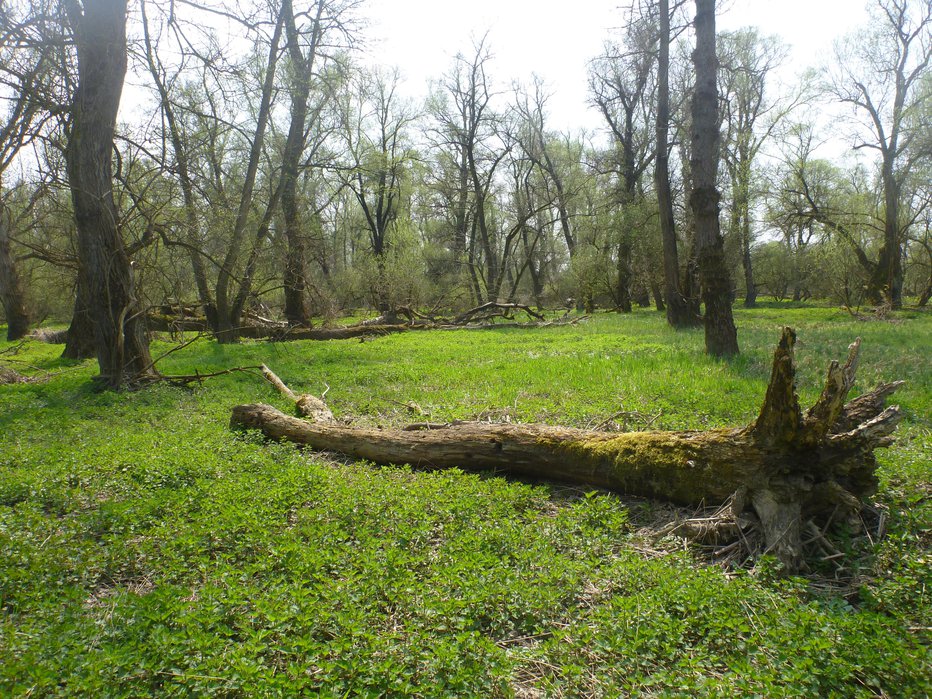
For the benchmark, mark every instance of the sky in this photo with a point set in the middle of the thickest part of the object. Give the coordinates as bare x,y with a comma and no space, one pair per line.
555,39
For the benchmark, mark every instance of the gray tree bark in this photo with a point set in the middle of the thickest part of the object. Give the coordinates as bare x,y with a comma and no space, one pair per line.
721,336
121,344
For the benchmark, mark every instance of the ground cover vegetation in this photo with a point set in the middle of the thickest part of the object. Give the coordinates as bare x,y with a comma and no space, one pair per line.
267,185
148,549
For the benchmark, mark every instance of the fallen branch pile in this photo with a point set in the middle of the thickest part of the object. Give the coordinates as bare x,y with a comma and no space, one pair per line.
260,328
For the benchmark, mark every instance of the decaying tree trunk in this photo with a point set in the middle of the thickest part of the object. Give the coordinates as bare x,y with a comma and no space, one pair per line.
786,466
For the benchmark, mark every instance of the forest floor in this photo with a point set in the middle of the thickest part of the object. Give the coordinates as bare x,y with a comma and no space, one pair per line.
147,549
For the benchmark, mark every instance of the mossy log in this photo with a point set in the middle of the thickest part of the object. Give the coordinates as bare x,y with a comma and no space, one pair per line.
787,466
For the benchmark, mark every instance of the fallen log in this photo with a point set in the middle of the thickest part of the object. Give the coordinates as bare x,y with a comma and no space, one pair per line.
493,309
786,466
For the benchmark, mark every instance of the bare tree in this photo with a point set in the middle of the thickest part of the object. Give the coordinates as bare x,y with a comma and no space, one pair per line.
379,157
230,304
538,146
192,238
880,76
312,35
621,87
28,54
721,337
470,130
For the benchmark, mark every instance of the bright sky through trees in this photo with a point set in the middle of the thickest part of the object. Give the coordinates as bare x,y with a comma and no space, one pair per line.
557,39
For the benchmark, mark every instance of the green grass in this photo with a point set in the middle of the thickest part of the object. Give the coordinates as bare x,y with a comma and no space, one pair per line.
149,550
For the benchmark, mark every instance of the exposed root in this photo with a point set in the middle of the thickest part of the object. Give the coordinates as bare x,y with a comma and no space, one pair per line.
832,551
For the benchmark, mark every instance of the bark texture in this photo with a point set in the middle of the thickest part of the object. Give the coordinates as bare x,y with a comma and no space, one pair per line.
787,466
721,336
79,339
120,340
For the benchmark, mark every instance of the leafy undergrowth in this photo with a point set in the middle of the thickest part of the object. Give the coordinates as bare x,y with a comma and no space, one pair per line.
147,549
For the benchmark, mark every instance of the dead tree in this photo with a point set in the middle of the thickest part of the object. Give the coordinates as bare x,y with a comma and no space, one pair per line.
787,466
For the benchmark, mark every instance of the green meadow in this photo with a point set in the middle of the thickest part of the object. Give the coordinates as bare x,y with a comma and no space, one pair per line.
148,550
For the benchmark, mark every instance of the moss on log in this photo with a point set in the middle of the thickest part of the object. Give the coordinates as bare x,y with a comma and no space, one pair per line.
786,466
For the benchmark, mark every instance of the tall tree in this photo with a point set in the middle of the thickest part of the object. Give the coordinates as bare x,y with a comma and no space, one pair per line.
192,236
379,156
881,77
99,29
539,146
470,130
679,313
306,32
621,86
721,336
231,298
25,67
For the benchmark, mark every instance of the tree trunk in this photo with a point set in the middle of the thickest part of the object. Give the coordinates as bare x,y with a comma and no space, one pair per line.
786,466
193,243
721,336
119,325
678,313
658,295
228,306
302,68
750,291
927,292
79,340
11,289
623,276
742,204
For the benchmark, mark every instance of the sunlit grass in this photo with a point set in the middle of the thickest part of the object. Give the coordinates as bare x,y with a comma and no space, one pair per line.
149,550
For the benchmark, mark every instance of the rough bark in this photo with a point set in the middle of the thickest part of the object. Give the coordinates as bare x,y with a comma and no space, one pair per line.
302,70
623,275
79,339
11,289
721,336
787,466
122,348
